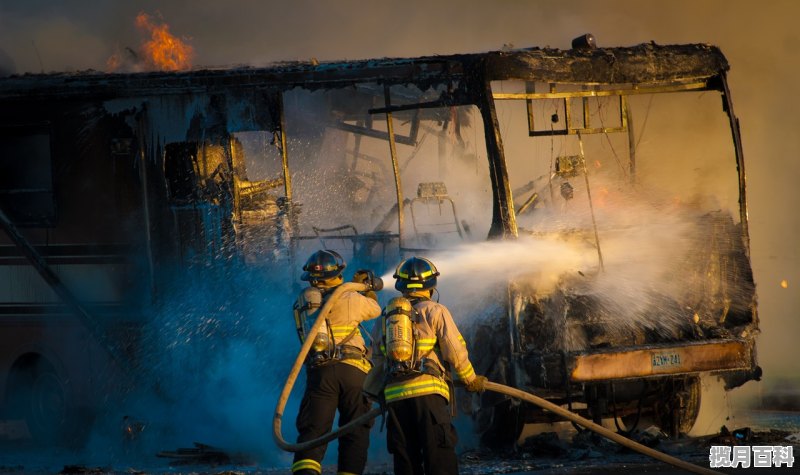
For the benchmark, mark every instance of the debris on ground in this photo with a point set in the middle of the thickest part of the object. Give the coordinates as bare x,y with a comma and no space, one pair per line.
202,454
650,437
545,444
70,469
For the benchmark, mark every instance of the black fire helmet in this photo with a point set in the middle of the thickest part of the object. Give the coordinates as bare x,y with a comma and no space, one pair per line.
415,273
323,265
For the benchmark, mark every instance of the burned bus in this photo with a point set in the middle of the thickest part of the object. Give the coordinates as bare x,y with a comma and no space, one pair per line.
598,193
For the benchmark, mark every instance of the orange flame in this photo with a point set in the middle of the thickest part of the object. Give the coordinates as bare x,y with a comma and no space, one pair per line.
163,51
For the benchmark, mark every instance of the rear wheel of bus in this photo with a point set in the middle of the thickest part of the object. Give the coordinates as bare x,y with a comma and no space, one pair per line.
42,398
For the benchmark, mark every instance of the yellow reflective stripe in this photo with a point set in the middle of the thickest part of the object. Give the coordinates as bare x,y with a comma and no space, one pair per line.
428,385
361,363
413,286
341,335
426,273
402,275
466,372
306,464
426,343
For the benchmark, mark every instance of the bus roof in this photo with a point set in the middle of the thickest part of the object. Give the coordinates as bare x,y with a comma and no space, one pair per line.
644,64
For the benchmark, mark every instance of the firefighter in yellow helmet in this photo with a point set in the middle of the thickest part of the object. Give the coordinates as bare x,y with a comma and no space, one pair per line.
336,365
416,343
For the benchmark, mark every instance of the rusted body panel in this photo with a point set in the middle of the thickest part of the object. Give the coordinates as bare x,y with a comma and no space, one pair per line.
663,360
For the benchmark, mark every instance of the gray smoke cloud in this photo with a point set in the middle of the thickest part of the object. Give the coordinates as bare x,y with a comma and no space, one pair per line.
759,39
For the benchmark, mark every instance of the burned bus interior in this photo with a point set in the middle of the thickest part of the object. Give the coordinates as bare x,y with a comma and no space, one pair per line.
626,161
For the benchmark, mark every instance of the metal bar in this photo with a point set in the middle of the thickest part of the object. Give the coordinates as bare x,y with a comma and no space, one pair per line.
586,118
527,203
697,86
412,134
737,145
530,88
378,134
627,123
504,221
591,206
596,130
693,358
419,105
395,165
354,237
287,177
148,232
237,212
567,108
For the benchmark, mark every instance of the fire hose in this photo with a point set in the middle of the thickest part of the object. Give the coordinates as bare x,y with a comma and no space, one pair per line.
490,386
298,364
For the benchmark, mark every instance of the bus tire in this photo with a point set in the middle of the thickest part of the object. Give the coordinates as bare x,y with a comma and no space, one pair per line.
44,401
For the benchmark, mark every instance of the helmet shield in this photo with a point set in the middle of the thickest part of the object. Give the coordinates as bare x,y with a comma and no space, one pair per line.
323,265
415,273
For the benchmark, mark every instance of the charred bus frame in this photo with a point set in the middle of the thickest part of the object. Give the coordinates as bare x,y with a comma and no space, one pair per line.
116,111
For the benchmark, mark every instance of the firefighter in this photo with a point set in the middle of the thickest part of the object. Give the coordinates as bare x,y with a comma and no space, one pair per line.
415,344
337,363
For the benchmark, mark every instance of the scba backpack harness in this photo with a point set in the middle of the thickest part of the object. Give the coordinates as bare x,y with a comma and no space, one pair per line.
401,341
325,349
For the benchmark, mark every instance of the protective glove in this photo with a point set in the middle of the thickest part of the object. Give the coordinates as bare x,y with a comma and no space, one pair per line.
368,278
362,276
370,294
477,385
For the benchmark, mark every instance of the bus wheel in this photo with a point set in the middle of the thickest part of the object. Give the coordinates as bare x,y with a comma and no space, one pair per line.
673,407
43,400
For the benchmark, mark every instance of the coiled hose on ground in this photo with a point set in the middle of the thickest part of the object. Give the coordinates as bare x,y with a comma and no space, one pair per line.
490,386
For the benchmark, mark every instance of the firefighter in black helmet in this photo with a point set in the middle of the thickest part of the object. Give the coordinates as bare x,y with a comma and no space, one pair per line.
337,363
416,343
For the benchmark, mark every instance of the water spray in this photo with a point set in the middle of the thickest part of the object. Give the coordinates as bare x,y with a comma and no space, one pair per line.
490,386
